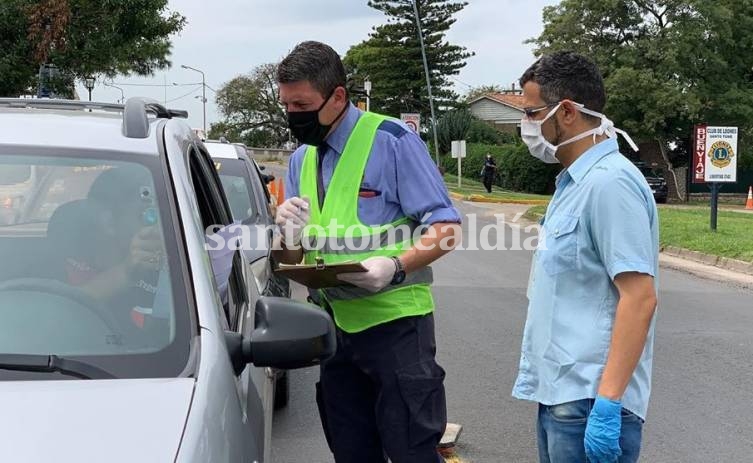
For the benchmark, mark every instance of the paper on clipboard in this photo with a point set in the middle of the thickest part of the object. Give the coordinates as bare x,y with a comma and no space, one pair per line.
319,275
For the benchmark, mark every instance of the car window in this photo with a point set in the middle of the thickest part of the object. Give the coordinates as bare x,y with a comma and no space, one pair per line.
214,214
90,266
236,182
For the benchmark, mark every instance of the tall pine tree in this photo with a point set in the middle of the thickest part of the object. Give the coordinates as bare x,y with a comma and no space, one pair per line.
391,56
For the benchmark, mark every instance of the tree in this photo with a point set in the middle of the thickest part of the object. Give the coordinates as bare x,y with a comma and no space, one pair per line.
477,92
83,37
453,125
391,56
667,64
251,108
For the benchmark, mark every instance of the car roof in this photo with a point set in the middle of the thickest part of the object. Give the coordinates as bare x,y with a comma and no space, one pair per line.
75,125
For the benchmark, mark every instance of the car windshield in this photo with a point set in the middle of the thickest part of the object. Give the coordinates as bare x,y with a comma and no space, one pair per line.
13,175
649,172
90,266
234,176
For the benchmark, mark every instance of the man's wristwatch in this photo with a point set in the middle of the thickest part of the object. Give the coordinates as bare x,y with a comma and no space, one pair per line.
399,276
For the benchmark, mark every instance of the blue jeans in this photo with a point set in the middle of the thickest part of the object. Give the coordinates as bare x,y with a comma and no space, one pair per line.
562,428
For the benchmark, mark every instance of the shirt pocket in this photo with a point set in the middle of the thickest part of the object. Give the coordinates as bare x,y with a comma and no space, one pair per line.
560,251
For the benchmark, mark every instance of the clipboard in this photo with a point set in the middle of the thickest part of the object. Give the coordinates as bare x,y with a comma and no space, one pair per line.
319,275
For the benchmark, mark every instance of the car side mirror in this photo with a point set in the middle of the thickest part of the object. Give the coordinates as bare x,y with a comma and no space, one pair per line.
288,335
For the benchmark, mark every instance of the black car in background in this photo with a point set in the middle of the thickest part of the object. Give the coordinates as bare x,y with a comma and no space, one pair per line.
656,181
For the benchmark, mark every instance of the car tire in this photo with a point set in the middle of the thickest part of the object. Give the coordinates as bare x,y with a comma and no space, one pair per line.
282,390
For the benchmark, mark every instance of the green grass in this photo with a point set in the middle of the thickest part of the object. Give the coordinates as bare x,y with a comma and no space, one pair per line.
534,213
473,187
689,229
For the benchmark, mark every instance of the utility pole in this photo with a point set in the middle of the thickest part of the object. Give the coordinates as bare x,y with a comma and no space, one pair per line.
428,80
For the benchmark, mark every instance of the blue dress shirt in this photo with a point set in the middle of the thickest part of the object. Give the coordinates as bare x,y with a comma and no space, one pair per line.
602,221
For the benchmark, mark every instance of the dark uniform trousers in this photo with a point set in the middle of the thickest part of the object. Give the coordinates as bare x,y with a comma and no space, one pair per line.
382,395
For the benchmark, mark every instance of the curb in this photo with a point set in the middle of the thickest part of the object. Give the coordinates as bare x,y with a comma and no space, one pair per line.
483,199
732,265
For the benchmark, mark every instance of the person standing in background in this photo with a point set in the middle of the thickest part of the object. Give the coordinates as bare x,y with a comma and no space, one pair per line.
489,172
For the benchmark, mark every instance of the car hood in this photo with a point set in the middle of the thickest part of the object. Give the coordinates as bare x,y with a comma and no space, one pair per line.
93,420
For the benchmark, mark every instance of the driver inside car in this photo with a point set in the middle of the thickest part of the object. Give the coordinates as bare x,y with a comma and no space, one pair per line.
115,252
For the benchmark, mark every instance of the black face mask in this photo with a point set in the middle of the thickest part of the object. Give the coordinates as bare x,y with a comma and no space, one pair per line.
306,127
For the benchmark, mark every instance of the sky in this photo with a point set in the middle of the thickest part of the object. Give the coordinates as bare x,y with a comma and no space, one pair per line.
226,38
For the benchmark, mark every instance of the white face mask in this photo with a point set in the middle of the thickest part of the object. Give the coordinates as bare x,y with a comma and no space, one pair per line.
540,147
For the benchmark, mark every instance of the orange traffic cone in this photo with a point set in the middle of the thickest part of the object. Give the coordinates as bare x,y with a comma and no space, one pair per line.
749,202
281,192
273,191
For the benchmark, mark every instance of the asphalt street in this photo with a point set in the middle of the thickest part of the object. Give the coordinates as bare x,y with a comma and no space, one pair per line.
702,397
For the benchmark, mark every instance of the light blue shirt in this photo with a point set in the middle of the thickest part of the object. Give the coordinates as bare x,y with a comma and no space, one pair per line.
400,172
602,221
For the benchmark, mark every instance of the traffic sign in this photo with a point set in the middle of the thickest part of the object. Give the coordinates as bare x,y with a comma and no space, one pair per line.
412,120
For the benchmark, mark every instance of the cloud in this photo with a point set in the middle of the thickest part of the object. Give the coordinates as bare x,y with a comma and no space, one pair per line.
225,38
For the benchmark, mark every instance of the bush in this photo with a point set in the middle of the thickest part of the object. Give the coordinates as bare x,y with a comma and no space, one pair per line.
481,132
517,170
745,162
522,172
453,125
474,160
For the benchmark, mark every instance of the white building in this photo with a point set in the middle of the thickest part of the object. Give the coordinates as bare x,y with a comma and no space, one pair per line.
501,110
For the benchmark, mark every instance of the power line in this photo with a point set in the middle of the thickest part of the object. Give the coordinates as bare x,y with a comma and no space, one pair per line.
183,96
159,85
461,82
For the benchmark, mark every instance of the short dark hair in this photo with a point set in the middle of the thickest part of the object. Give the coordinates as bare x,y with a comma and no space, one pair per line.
315,62
568,75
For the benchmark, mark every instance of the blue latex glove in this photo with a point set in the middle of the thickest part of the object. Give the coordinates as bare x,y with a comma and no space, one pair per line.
602,439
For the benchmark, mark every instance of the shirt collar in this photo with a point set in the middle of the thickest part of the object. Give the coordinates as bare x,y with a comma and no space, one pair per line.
337,139
578,169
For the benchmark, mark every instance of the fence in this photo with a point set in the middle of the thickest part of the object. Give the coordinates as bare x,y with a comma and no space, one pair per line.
269,154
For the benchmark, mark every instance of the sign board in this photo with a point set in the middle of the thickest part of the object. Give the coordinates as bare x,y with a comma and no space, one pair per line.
698,164
721,154
412,120
458,148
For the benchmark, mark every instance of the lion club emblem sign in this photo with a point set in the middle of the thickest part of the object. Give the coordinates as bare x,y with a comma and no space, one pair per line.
721,154
719,144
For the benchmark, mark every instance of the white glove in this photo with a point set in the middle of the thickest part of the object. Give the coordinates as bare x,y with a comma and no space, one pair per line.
292,217
380,272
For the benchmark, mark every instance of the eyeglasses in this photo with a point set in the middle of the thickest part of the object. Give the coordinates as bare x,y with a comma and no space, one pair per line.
531,111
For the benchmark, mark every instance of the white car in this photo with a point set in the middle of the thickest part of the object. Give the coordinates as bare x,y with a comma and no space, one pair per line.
115,343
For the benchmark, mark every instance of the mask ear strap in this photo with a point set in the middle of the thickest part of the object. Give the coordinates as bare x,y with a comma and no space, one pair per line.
627,138
611,130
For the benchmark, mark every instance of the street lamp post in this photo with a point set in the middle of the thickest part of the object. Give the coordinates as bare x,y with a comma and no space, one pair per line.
203,93
122,94
367,89
89,84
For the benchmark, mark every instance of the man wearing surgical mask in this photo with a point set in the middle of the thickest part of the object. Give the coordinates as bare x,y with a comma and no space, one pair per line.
588,339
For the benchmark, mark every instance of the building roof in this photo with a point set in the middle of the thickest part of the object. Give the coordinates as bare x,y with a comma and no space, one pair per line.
513,100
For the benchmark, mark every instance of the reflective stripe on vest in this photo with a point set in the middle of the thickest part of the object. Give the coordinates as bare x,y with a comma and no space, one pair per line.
336,234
